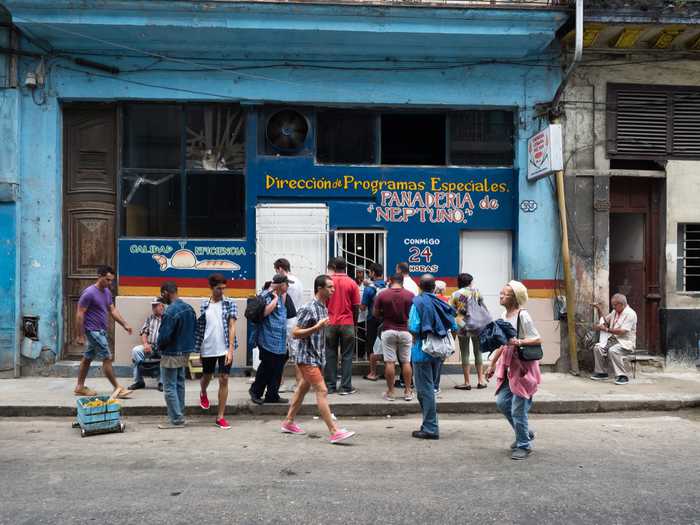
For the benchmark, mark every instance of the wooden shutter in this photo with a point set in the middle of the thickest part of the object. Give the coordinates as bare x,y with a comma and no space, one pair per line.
653,122
639,122
686,124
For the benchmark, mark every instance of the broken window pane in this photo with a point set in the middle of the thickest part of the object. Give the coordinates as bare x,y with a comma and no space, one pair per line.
151,205
215,137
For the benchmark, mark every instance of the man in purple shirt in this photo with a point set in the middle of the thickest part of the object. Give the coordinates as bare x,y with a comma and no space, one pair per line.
91,322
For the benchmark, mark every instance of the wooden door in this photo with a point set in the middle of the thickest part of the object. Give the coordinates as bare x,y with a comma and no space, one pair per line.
634,252
89,205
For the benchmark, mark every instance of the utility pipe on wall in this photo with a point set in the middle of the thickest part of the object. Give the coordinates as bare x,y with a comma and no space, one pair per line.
561,198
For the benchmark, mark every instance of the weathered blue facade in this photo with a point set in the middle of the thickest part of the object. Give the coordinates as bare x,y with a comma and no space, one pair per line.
287,54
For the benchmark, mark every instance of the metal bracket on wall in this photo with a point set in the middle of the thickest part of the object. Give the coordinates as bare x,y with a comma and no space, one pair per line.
9,192
601,205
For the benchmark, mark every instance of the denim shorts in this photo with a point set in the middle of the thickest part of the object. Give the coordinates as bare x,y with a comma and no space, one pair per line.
97,346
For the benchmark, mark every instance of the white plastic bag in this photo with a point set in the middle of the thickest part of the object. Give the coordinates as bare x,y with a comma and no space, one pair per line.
256,358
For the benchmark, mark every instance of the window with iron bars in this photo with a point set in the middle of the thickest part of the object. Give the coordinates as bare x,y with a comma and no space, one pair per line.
689,257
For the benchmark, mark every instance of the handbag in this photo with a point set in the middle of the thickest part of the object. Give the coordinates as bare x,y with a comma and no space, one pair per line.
436,346
477,316
528,352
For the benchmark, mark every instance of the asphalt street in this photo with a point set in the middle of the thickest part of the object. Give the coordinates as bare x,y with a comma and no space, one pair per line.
611,468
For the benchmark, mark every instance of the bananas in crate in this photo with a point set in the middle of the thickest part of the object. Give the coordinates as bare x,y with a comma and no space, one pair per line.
94,403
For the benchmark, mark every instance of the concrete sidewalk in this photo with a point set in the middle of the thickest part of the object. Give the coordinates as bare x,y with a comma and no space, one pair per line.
559,393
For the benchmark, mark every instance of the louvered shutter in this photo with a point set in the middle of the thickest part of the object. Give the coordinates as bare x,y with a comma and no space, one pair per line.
686,124
653,122
641,124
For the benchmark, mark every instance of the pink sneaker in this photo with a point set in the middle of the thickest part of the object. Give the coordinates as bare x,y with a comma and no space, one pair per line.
341,435
222,423
203,401
292,428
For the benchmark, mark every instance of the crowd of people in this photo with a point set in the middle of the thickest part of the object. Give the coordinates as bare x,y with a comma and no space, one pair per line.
407,324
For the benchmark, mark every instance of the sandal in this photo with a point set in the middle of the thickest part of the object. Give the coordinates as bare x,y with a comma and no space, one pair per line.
387,397
124,393
84,391
368,378
463,387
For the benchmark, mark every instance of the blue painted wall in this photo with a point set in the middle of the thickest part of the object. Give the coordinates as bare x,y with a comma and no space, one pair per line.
476,85
9,231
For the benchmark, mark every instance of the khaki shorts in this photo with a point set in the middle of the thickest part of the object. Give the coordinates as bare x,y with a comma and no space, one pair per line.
395,342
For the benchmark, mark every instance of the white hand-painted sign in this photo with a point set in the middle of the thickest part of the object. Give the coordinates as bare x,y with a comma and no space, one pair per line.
544,152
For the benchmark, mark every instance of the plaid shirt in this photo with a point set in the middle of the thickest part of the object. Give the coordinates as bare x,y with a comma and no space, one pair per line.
311,350
229,310
272,334
150,328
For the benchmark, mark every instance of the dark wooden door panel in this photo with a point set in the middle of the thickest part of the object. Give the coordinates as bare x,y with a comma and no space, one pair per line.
89,204
628,278
640,281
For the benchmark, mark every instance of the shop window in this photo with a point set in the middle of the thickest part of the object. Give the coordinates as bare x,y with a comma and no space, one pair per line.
182,171
416,139
689,257
215,201
152,136
345,137
481,138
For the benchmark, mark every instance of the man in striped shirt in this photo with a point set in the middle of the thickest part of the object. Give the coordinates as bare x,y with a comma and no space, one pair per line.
310,358
148,348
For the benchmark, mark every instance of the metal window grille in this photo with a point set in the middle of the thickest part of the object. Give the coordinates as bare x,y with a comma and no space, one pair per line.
689,257
360,248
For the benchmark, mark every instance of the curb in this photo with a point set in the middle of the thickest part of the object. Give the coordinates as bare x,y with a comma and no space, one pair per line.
570,406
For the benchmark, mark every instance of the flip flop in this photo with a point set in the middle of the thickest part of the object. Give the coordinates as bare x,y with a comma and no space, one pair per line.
84,391
463,387
124,393
370,378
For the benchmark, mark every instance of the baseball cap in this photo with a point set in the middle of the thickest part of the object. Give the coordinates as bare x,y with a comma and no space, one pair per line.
157,300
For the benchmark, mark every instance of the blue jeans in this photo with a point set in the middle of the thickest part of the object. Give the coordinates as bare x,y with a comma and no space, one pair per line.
515,408
424,375
138,355
438,374
97,346
174,391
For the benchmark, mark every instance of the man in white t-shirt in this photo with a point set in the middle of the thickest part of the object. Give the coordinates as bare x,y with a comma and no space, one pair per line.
216,342
296,293
408,282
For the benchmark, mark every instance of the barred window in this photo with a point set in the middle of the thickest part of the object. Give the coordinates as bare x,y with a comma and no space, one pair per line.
689,257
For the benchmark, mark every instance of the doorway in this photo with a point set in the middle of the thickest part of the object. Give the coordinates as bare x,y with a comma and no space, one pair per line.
634,252
89,206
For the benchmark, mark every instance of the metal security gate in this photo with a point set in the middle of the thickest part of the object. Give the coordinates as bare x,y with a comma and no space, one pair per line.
361,248
297,232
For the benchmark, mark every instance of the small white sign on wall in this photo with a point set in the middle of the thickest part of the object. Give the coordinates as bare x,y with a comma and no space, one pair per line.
545,152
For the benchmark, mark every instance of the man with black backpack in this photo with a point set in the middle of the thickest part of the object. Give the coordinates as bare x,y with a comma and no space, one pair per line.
271,339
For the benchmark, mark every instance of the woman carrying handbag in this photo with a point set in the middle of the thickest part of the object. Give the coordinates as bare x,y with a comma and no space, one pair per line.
517,368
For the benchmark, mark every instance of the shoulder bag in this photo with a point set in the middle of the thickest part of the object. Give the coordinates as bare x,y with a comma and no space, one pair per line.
528,352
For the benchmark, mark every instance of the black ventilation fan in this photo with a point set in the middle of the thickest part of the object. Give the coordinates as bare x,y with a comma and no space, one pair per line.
286,131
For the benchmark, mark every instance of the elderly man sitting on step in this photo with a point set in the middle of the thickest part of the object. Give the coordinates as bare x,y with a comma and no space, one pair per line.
618,337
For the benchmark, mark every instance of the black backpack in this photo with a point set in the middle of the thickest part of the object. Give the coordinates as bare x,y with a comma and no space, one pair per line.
255,309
